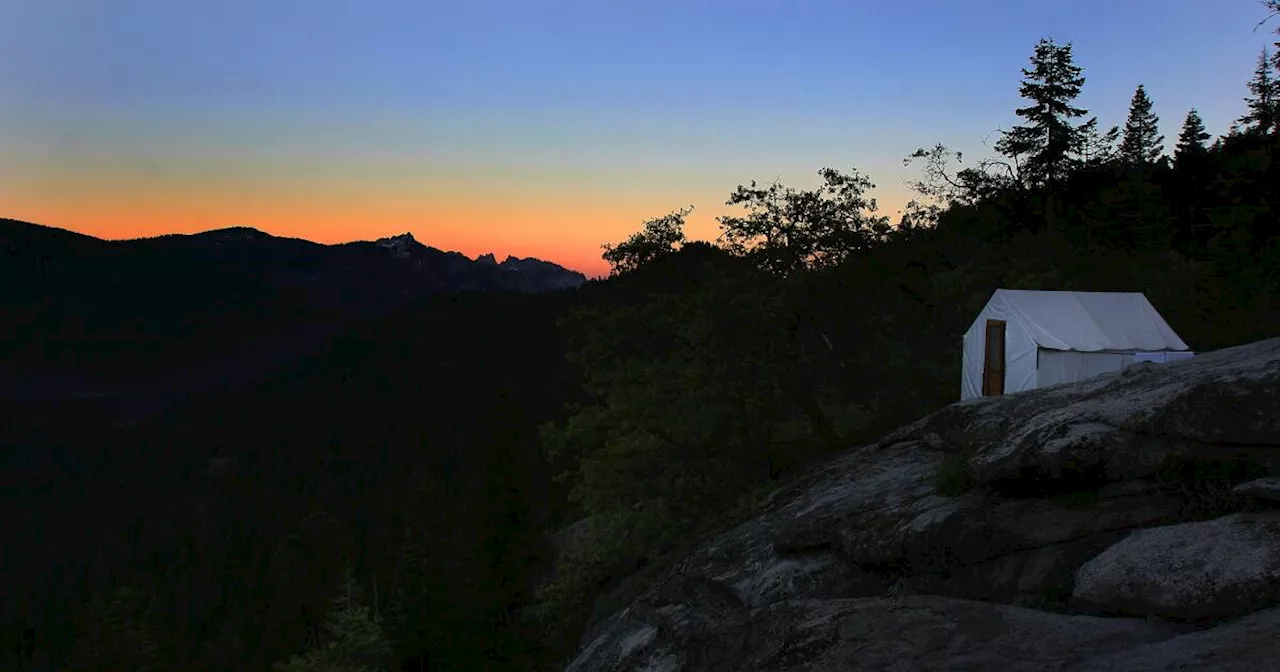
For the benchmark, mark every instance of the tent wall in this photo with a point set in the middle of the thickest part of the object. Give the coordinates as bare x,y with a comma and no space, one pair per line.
1058,366
1091,321
1161,357
1020,351
1057,337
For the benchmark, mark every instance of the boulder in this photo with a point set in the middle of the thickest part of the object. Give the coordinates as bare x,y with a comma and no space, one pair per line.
994,528
875,517
865,524
930,633
915,633
796,533
626,642
927,633
863,563
785,577
1262,488
1041,577
1214,569
1120,426
1248,644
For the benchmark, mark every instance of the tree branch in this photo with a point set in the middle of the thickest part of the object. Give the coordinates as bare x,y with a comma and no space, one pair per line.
1273,10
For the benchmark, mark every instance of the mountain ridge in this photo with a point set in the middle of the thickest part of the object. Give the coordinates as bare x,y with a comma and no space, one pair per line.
249,233
83,313
297,261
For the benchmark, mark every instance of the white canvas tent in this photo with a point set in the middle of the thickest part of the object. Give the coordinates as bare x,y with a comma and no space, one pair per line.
1025,339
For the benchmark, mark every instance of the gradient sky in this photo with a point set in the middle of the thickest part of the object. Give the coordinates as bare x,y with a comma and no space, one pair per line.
540,128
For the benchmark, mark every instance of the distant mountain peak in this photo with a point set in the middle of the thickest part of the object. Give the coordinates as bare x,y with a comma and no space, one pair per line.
241,232
519,263
401,245
392,241
360,277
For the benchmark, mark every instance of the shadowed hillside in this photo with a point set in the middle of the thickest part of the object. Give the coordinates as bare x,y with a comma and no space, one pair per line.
147,319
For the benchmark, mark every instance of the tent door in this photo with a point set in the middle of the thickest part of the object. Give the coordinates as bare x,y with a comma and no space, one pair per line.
993,364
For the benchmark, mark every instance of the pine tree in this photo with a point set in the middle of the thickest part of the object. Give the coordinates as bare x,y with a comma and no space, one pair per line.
1275,84
1191,142
356,642
1190,159
1264,103
1096,148
1142,145
1047,144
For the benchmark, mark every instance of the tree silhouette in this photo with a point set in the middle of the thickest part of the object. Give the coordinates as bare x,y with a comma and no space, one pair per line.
1264,98
1273,10
1047,143
658,237
1192,139
786,229
941,188
1098,148
1142,144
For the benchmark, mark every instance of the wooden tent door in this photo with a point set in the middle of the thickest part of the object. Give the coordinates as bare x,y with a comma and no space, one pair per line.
993,364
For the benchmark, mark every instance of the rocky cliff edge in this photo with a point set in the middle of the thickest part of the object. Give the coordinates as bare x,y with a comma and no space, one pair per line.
1127,522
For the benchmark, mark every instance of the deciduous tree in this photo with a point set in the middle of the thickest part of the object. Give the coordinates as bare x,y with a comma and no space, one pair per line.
941,186
658,237
787,229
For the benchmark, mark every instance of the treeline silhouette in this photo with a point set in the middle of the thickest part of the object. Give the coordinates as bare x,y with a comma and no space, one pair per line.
463,484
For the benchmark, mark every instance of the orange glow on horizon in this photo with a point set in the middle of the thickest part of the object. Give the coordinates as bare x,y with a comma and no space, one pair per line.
571,238
564,226
337,227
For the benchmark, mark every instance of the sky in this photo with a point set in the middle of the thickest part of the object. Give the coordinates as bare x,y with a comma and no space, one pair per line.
542,127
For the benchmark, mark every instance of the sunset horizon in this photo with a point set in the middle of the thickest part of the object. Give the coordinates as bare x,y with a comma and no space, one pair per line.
547,132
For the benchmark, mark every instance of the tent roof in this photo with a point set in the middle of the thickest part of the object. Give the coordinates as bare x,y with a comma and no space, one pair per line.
1089,321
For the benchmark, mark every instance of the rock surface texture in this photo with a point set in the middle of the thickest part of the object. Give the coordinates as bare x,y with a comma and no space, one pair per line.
1225,567
1100,525
1262,488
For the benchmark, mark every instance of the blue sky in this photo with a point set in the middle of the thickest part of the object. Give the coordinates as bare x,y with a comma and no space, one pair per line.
540,126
